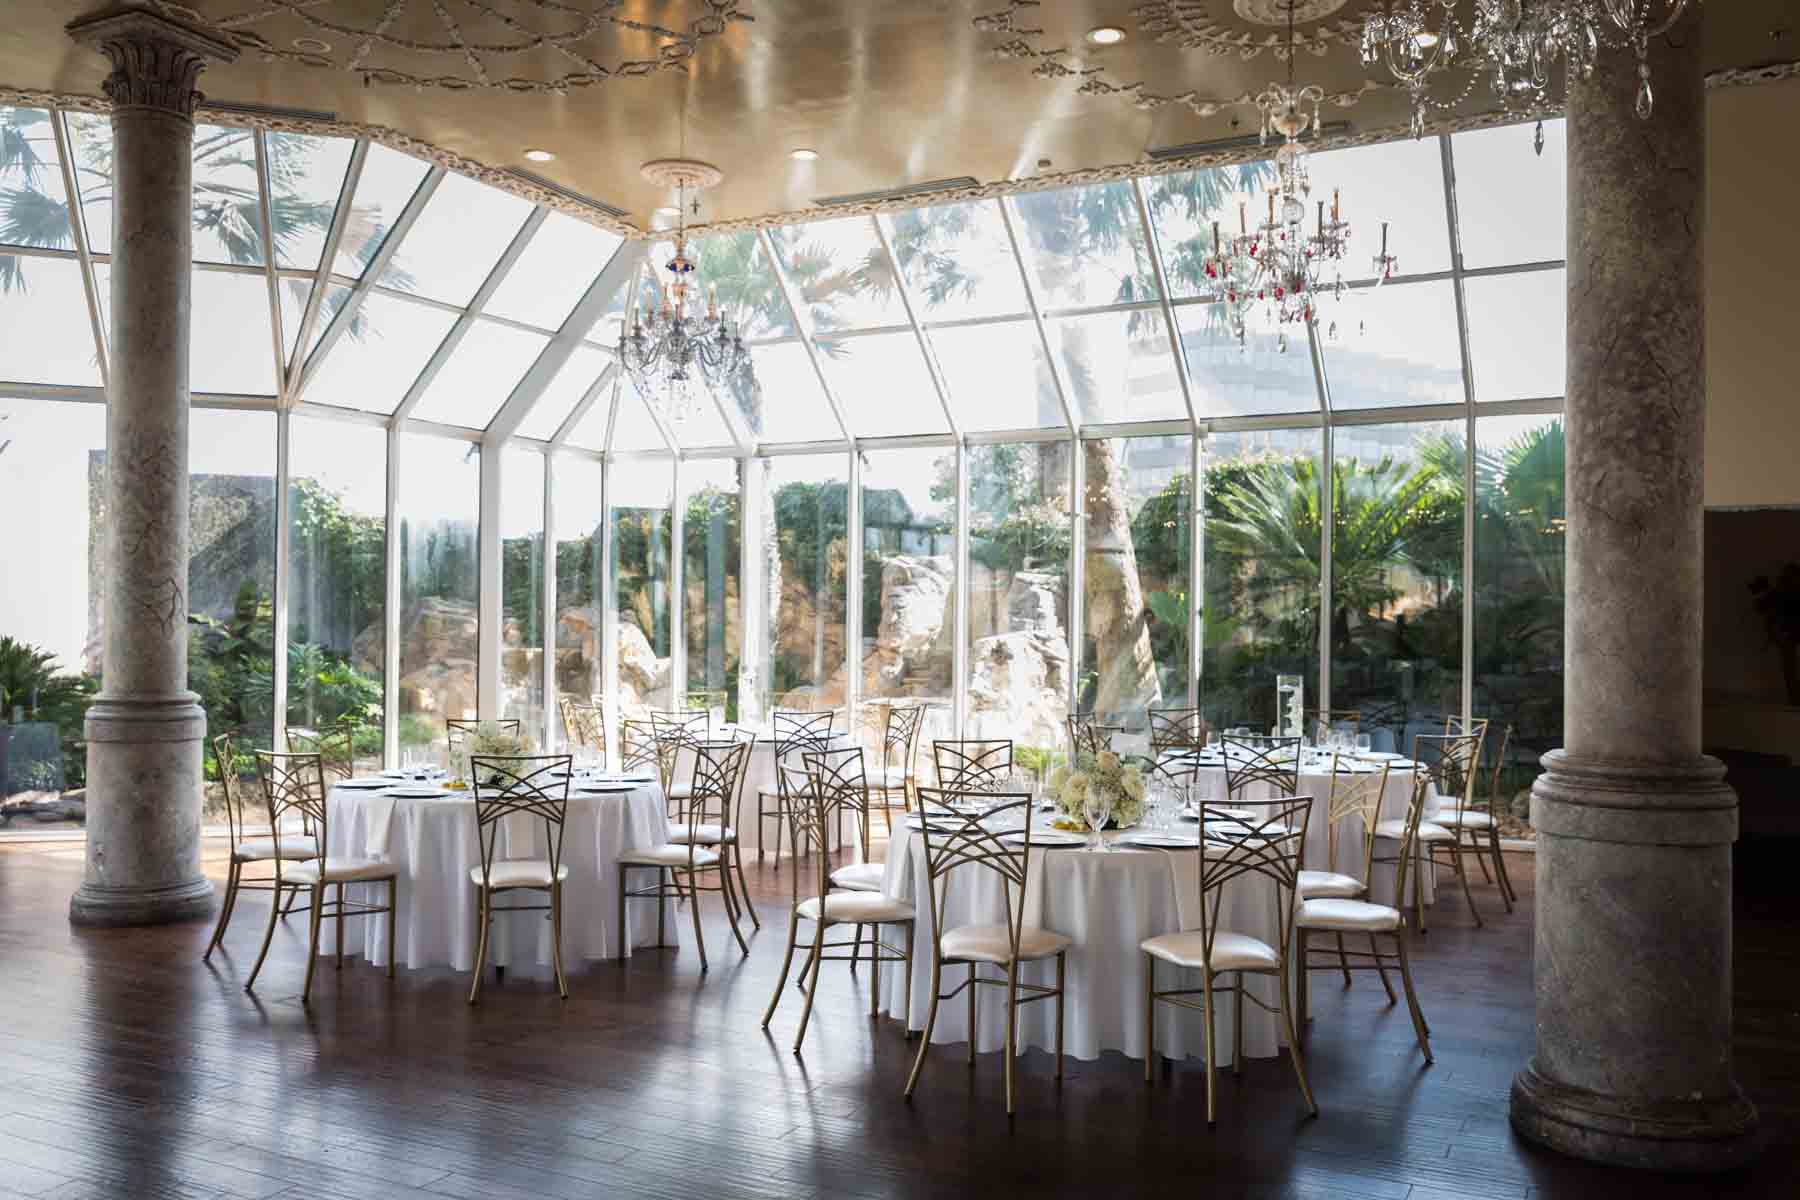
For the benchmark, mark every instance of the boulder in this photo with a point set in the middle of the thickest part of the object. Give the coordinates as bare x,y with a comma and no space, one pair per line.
1018,687
644,679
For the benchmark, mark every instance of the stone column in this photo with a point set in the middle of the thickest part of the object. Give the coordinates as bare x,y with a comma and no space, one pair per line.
1635,825
145,728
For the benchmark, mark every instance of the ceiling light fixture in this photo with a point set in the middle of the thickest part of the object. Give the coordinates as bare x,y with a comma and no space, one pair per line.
803,154
1105,35
540,155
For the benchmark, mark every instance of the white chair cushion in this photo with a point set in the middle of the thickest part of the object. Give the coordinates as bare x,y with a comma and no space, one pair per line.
1427,831
263,849
993,943
340,870
704,835
1231,951
671,855
888,777
514,873
1347,916
859,877
1315,884
862,908
681,791
1468,819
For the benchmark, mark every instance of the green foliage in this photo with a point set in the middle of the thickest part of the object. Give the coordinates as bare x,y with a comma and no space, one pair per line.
31,683
1018,512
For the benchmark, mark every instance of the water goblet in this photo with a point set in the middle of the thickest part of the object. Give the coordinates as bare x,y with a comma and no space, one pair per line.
1364,743
1095,807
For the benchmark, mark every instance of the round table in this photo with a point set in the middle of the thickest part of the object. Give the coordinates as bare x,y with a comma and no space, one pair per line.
434,843
759,773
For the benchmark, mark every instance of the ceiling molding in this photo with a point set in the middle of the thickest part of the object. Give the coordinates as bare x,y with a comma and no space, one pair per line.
1733,77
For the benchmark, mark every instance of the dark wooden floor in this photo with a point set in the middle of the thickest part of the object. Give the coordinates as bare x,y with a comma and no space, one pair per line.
128,1069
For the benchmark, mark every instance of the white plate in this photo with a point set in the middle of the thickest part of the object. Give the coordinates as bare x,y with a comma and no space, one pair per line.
607,788
418,793
1158,841
1047,837
364,783
631,777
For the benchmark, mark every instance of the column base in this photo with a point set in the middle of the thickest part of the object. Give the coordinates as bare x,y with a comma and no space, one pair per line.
1703,1134
101,907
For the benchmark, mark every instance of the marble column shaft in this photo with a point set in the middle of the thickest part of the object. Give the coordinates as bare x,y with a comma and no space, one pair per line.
1635,825
145,728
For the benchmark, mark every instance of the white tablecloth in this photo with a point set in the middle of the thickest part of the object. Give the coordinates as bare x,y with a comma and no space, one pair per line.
759,773
434,842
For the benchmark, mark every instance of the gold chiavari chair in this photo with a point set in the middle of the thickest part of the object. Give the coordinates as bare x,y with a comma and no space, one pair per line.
523,788
1356,791
637,747
682,866
583,724
246,849
1271,760
720,831
676,731
1174,730
1087,736
1430,752
1481,824
333,746
972,764
294,785
831,782
1341,915
1260,839
956,839
796,733
1454,764
901,725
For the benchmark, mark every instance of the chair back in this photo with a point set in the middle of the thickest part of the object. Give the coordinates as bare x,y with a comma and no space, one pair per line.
1174,729
1087,736
294,785
1495,802
637,747
1332,720
829,782
583,723
1409,837
1268,844
798,734
957,837
333,746
528,785
233,786
718,769
900,733
1455,726
972,764
1354,793
1271,760
1450,764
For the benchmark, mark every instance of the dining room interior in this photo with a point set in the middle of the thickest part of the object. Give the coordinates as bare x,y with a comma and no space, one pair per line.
776,598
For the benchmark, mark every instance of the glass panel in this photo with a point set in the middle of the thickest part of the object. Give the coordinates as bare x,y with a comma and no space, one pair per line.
1119,367
90,137
479,374
563,393
711,566
306,174
1518,335
231,578
909,580
1086,245
807,562
1139,544
337,578
579,540
883,385
52,466
439,510
1398,182
522,590
635,429
1018,627
1267,373
559,264
1512,204
789,404
1184,208
1396,578
227,210
378,357
1519,534
43,310
748,290
1261,586
294,294
456,241
840,273
998,377
387,182
35,206
704,427
231,349
958,262
590,432
642,537
1402,349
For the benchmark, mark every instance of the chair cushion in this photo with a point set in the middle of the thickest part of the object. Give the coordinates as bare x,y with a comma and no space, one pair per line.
1468,819
1427,831
859,877
993,943
888,777
512,873
1231,951
671,855
1315,884
1347,916
863,908
681,791
340,870
294,846
704,835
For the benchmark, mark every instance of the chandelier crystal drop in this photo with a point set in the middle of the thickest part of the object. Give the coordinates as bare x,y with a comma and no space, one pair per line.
672,350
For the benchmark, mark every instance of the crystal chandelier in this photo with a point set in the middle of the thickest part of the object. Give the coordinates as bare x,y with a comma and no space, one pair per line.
671,351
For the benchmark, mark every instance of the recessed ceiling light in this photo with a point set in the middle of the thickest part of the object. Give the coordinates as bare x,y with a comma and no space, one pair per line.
803,154
540,156
1105,35
668,210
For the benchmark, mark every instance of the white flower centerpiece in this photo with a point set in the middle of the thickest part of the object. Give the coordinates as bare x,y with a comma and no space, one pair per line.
1103,775
491,740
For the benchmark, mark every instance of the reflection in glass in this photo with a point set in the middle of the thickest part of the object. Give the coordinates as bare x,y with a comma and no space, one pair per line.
1397,345
1398,182
306,173
479,374
997,376
711,566
522,590
456,241
36,212
1184,207
1254,378
883,384
957,261
789,404
748,291
1119,366
909,577
1511,203
1085,245
641,541
438,507
840,274
387,182
580,536
806,557
1518,343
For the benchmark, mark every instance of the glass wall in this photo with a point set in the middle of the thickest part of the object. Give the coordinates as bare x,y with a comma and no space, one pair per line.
806,558
641,493
337,578
439,510
522,590
712,566
909,580
576,499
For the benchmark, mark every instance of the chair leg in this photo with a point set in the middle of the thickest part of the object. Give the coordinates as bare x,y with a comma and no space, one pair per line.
973,969
225,905
662,907
731,912
1303,976
787,963
906,996
1012,1028
1061,974
743,885
818,960
856,949
1149,1018
268,936
1212,1058
1381,968
762,827
1479,861
623,948
393,918
562,985
1237,1028
1462,877
875,975
341,927
312,951
1506,892
1287,1021
1418,878
292,895
937,987
1343,960
1412,1000
484,907
694,911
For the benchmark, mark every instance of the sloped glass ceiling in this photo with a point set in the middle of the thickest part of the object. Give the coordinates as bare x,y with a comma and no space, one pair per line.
1048,309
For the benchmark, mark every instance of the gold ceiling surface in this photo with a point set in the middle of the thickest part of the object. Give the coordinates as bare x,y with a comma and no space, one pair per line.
888,94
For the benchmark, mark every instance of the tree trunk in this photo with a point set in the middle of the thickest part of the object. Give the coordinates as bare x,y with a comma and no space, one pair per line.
1117,628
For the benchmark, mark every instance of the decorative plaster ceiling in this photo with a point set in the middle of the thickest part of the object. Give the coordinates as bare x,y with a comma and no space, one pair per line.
889,94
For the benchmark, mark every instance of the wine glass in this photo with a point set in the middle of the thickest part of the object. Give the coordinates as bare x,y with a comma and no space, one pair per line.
1364,744
1096,806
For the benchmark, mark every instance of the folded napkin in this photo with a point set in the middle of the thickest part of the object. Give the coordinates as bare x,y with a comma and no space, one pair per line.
378,810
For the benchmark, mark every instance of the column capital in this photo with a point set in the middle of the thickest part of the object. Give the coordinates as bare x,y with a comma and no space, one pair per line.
156,61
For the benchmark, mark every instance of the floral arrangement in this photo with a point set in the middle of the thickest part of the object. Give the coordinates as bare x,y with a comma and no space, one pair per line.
1105,772
490,740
